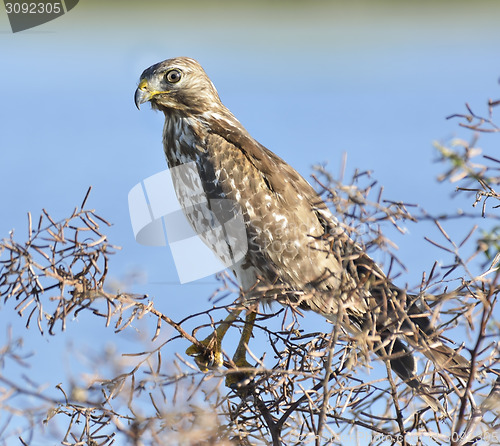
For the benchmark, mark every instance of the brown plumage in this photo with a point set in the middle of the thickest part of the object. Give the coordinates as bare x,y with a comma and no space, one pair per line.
296,249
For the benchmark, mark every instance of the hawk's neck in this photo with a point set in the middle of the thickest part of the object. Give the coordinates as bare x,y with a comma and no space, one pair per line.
185,135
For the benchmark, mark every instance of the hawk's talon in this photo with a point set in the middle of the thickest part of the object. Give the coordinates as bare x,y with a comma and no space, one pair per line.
238,380
207,358
211,356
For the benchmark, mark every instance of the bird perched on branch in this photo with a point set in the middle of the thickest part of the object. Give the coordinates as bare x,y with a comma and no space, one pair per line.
295,250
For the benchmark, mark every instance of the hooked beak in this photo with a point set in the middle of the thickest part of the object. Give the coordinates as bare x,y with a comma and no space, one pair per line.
142,94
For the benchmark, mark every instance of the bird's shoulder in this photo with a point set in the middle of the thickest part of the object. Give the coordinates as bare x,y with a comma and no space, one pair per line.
281,178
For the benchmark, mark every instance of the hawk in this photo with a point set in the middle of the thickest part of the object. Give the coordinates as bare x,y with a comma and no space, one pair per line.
297,252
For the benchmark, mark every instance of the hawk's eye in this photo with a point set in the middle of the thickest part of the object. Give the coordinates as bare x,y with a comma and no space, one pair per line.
173,76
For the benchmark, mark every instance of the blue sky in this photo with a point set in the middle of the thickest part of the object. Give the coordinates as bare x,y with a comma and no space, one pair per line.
375,80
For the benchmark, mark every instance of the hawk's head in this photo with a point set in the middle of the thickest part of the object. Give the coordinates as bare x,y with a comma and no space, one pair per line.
180,84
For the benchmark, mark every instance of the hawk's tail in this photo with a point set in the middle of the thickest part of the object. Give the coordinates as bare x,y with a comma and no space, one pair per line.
443,357
403,363
427,341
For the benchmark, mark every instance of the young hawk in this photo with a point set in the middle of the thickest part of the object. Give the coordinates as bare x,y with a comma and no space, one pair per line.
297,252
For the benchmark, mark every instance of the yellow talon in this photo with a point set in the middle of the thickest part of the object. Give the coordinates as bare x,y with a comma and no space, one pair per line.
236,379
210,357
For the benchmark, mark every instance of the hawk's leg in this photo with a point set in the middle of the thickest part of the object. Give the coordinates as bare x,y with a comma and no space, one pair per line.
240,356
211,356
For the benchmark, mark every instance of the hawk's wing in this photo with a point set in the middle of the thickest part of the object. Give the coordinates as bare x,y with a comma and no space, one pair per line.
293,238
